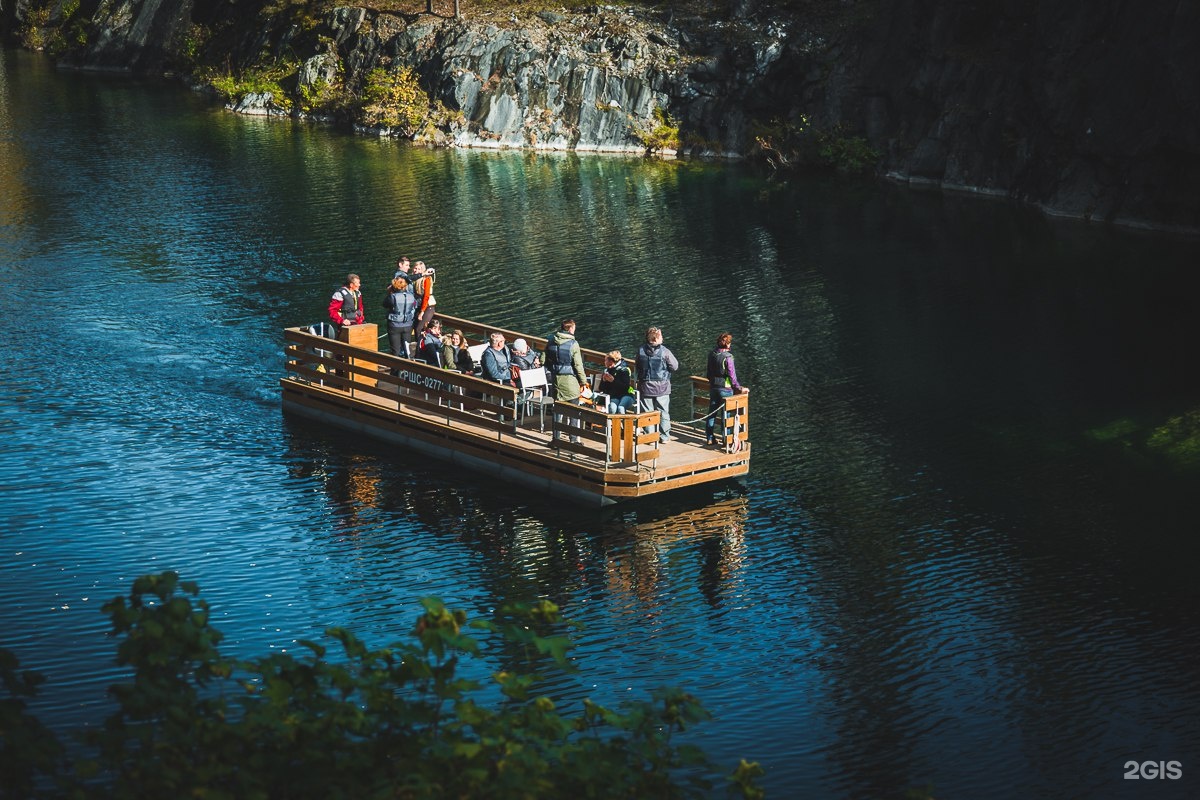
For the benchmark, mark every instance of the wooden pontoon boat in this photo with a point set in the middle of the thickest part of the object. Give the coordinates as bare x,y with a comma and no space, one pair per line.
515,434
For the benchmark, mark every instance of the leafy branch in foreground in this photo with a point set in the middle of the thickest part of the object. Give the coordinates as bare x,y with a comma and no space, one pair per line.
396,722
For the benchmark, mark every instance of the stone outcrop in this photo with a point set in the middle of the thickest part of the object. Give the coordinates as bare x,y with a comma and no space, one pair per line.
138,33
587,81
1082,108
568,83
122,35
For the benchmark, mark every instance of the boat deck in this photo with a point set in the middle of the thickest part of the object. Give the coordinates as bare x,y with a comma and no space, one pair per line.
566,449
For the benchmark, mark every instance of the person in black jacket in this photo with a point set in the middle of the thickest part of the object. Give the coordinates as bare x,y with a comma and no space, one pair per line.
429,347
522,356
615,382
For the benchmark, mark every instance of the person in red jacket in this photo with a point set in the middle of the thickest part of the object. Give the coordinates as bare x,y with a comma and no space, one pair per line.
346,306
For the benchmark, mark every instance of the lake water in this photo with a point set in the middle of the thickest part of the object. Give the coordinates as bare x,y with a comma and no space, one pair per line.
965,556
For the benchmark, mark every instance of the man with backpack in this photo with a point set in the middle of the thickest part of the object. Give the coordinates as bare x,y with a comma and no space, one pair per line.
655,363
564,361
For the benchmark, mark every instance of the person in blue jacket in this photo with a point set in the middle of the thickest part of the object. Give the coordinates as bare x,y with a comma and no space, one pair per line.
494,361
655,363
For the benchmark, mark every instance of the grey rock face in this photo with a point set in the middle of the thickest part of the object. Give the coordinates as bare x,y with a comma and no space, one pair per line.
137,35
562,84
260,104
322,68
1084,109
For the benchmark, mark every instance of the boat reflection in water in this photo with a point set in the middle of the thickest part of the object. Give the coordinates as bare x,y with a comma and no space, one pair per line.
638,566
414,532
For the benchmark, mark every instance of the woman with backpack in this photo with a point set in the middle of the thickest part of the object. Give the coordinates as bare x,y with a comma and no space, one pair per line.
401,307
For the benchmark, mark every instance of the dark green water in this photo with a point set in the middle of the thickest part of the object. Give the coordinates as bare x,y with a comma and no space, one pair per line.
965,556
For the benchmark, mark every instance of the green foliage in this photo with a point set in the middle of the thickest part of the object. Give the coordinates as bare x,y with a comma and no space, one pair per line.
55,31
1178,439
27,748
845,153
317,97
324,96
1175,440
261,79
797,144
193,43
394,100
395,722
1117,429
33,33
662,135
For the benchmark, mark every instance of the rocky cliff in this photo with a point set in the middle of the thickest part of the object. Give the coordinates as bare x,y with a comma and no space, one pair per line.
1082,108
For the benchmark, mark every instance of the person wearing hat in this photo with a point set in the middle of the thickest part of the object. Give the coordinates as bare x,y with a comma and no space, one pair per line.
522,356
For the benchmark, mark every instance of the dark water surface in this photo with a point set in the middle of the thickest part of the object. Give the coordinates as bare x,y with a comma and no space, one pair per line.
965,556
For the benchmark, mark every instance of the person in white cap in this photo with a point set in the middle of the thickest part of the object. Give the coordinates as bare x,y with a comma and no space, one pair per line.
522,356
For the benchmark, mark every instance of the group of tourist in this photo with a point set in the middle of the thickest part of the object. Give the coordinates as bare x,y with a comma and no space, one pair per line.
410,305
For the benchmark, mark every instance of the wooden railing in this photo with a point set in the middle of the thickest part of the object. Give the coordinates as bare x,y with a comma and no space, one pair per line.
733,421
617,439
593,360
415,384
613,440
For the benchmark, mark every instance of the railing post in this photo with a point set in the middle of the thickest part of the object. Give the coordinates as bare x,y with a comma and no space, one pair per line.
554,425
364,337
608,439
